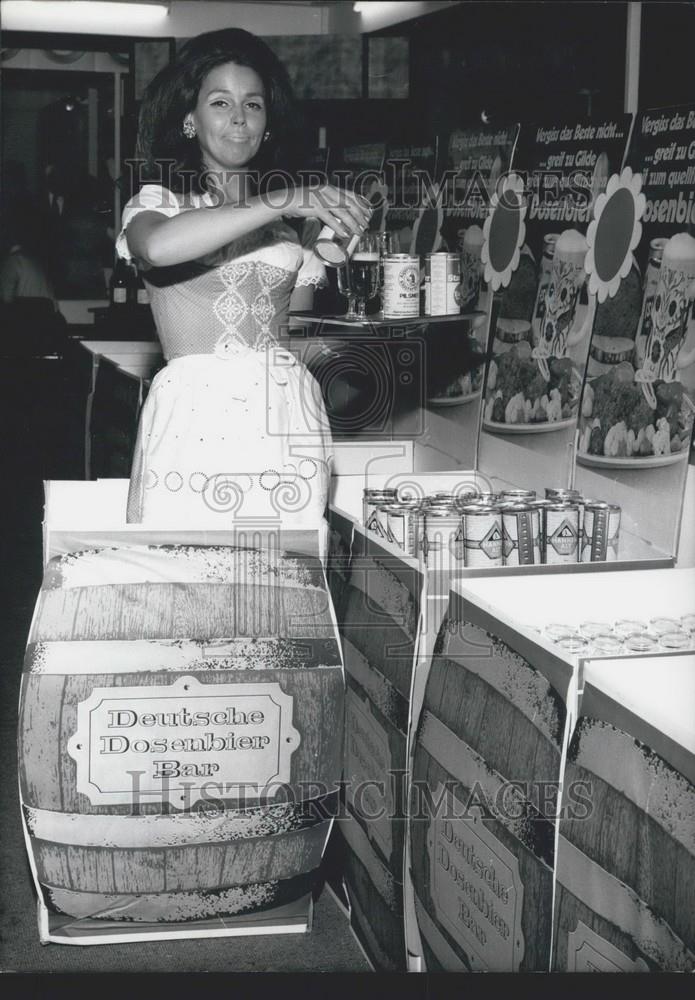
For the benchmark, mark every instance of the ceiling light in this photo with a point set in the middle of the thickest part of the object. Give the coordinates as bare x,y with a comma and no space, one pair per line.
83,16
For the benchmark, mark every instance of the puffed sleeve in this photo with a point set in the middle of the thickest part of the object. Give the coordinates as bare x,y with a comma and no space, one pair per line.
150,198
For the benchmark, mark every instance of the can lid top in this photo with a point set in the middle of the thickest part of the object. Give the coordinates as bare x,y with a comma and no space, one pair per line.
330,252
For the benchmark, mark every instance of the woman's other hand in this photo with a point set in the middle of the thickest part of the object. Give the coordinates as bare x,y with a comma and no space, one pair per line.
345,212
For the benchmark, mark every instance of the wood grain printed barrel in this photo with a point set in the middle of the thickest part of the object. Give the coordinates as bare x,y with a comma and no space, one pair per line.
378,631
481,848
157,681
626,851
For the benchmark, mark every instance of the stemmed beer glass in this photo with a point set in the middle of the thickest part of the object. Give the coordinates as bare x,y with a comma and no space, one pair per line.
358,278
364,272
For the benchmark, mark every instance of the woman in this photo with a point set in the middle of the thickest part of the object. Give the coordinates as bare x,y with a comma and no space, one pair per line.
234,426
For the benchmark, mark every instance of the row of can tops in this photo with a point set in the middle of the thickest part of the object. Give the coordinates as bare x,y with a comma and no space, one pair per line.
445,501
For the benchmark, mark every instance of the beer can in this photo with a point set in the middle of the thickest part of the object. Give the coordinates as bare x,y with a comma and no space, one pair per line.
557,493
521,541
371,500
489,498
482,535
439,498
561,533
442,284
601,532
540,506
401,525
401,296
334,250
438,538
464,498
518,496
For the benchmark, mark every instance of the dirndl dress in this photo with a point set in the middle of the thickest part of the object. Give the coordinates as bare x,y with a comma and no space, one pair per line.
233,431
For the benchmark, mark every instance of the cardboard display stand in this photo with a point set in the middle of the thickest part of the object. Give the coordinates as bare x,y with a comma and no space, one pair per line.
500,704
180,734
378,629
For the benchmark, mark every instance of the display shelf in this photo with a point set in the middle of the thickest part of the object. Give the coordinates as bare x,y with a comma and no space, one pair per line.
388,322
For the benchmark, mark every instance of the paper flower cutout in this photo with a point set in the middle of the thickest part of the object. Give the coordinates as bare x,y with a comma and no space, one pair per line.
504,232
614,232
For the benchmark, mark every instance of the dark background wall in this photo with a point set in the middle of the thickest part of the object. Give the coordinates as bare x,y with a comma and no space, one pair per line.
521,61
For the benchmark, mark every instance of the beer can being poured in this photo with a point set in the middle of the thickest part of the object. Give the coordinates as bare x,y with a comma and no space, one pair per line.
332,249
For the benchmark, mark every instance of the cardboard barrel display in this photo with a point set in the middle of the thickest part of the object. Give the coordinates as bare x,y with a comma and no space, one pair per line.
626,860
180,731
378,629
486,761
340,531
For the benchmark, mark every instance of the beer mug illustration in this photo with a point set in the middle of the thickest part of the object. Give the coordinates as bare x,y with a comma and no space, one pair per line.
471,243
567,276
671,317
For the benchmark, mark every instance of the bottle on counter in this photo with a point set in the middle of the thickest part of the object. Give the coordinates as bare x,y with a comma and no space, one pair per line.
141,296
120,289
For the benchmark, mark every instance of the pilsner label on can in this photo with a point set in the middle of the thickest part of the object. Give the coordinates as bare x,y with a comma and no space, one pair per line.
561,533
601,532
442,284
401,285
482,535
521,542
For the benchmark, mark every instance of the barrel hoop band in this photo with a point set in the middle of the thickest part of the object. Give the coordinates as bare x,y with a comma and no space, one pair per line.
464,764
173,907
388,647
471,647
390,702
388,887
639,774
226,864
386,593
618,904
181,830
445,954
121,656
192,564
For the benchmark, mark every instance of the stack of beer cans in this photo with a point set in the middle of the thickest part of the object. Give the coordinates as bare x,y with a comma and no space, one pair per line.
467,528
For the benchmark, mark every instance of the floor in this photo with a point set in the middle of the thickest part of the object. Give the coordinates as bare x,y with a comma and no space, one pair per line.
40,442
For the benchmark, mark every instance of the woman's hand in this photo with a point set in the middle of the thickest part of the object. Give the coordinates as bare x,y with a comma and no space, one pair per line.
345,212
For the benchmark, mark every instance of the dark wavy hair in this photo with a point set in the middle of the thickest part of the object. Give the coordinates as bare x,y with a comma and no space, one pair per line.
162,151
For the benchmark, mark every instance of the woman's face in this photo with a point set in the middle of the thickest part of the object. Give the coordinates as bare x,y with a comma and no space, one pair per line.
230,116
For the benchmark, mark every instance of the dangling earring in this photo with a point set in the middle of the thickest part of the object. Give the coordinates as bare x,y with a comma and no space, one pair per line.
189,129
266,136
